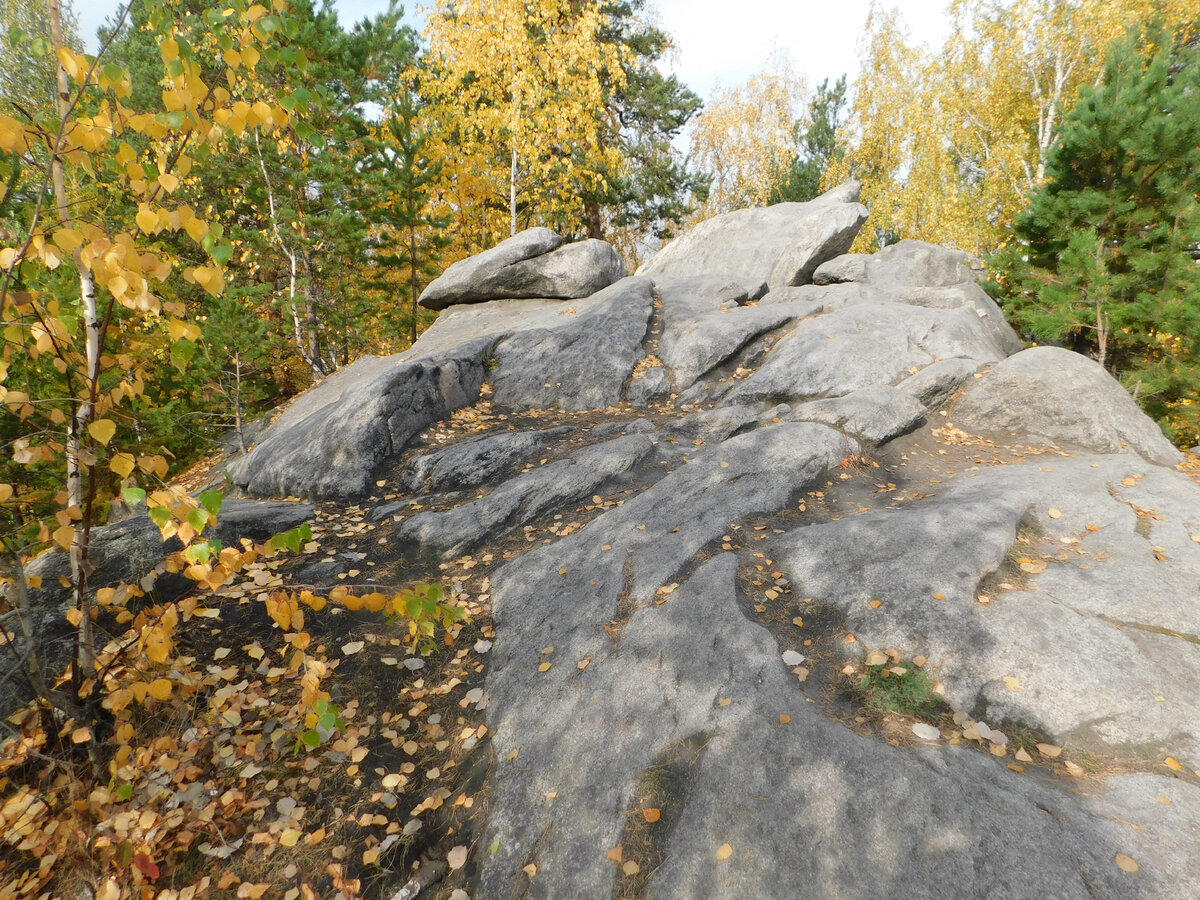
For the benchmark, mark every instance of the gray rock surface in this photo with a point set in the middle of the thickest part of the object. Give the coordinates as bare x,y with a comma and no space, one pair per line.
704,324
332,438
532,264
525,497
872,415
1051,395
1051,590
865,344
934,384
1104,600
474,461
781,244
580,361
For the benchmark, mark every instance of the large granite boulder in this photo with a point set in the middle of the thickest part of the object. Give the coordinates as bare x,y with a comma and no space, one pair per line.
1051,395
776,245
534,263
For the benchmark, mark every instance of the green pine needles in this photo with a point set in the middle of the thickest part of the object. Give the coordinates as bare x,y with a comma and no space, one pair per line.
1107,255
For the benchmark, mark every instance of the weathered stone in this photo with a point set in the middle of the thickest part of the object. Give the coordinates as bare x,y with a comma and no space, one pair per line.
1094,567
551,724
848,267
651,387
525,497
1051,395
863,344
781,244
934,384
474,461
704,324
332,438
532,264
874,414
580,361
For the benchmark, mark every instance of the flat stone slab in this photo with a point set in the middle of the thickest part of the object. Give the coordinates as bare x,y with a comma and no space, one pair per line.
525,497
872,415
1101,629
705,323
864,344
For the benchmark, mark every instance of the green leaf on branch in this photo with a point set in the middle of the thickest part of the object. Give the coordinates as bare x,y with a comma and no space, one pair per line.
181,354
133,496
211,500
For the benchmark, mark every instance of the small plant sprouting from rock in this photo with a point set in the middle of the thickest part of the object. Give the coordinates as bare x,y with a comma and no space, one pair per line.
893,685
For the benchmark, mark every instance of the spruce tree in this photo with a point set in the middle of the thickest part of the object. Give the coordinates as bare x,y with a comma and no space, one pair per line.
1105,256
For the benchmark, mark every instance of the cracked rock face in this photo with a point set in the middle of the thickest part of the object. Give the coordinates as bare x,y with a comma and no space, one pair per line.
866,465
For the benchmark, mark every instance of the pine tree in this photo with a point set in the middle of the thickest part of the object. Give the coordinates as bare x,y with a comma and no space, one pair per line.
1105,258
408,237
817,145
653,190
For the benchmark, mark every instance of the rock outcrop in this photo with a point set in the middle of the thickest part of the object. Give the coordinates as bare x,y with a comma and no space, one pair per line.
766,247
534,263
713,508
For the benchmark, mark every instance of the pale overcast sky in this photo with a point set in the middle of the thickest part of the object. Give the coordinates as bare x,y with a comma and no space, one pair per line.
716,41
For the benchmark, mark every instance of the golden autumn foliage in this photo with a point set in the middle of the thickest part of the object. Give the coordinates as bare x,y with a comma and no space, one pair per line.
948,144
745,137
516,94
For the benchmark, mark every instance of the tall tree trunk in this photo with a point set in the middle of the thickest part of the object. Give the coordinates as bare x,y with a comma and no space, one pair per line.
412,274
313,336
512,193
85,406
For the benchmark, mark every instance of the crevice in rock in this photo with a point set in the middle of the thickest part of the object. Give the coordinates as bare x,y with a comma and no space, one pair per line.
659,799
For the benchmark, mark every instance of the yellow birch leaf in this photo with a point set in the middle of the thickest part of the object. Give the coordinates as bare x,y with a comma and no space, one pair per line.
290,837
168,181
69,239
146,220
724,852
1127,863
63,536
159,689
1173,764
81,735
6,492
102,430
122,464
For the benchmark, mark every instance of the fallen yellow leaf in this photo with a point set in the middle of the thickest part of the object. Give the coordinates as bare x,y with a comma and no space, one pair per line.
1049,750
1054,513
530,869
1126,863
290,837
1012,682
545,667
631,868
1173,764
651,815
724,852
615,853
